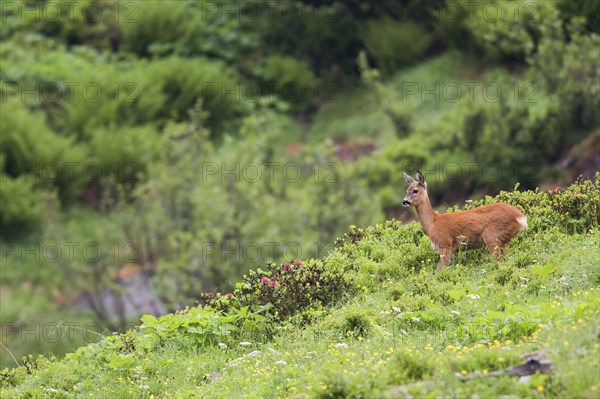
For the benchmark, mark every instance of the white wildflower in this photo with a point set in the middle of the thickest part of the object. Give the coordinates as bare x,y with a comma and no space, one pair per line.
396,309
473,296
456,312
245,343
235,362
222,345
416,319
253,353
281,362
341,345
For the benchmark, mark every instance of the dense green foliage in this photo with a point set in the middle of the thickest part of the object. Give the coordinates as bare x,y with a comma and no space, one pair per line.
187,142
402,330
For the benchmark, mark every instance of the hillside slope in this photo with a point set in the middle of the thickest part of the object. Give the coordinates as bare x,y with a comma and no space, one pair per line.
372,319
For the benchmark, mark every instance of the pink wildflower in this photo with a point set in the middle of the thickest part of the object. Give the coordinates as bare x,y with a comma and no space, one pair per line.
230,295
556,190
273,283
298,263
208,294
286,266
265,280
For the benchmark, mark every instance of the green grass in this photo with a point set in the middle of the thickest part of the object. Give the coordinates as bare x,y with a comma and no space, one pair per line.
402,330
351,115
357,114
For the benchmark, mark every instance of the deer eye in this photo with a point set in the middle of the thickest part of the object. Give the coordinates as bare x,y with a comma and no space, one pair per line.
415,191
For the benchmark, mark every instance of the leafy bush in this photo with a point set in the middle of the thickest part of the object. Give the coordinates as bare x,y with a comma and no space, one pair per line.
141,93
123,154
357,322
204,80
292,79
206,326
21,207
512,32
332,33
290,287
565,64
395,44
93,22
516,139
189,29
29,147
588,9
155,23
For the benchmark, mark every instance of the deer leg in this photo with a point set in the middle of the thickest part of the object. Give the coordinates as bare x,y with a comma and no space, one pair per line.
445,256
495,246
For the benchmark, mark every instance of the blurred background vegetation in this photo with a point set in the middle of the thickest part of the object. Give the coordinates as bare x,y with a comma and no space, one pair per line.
151,151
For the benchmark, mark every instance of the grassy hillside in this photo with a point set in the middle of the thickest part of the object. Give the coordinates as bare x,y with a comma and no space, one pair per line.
154,150
371,319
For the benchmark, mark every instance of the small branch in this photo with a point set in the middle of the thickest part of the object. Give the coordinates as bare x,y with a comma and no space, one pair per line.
11,355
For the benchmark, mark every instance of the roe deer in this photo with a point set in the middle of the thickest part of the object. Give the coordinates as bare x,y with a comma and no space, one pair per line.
493,225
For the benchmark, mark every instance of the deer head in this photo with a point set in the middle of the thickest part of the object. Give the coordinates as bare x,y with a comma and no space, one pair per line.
417,190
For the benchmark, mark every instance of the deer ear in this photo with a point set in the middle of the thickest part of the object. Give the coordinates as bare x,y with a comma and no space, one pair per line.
408,179
421,178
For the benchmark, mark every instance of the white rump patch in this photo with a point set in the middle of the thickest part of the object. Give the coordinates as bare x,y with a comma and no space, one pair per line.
523,222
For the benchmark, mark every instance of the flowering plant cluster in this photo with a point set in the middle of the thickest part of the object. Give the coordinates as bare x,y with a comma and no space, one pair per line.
290,287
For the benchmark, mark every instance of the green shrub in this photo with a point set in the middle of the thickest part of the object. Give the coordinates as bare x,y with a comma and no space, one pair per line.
333,35
29,147
292,80
509,34
588,9
204,80
93,22
142,93
357,322
564,63
206,326
154,23
124,153
516,139
21,206
394,44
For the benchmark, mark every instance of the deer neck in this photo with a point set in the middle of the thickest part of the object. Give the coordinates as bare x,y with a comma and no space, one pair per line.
425,214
